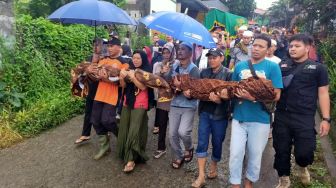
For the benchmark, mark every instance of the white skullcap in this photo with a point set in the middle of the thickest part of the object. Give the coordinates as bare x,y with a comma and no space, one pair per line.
274,42
215,39
242,28
248,34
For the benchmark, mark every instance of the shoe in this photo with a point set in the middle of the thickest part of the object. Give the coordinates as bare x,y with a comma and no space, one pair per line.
155,130
304,175
284,182
198,183
104,146
159,153
82,139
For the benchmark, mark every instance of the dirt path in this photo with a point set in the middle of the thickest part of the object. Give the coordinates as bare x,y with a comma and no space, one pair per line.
52,160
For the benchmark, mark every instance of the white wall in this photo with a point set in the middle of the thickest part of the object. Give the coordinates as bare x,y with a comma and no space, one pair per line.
163,5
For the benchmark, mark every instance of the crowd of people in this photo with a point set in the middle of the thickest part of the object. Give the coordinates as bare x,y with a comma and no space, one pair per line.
298,80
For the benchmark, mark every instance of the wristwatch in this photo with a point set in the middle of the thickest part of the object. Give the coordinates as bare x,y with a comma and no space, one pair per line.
326,119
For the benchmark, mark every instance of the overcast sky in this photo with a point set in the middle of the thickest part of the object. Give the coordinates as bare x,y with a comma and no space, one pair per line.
264,4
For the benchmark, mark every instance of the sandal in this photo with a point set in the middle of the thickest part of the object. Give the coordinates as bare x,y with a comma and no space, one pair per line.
159,153
129,167
176,164
189,156
82,139
198,183
155,130
212,175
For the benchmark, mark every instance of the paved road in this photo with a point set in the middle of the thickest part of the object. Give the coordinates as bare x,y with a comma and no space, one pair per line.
52,160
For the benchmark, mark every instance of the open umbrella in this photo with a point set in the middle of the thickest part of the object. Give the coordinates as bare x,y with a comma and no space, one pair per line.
91,12
179,26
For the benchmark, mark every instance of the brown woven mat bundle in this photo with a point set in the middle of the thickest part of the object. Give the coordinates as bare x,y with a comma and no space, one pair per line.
261,89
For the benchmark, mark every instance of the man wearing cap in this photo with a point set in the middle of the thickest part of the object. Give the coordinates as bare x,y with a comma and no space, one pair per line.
103,115
242,50
251,122
213,118
270,54
182,108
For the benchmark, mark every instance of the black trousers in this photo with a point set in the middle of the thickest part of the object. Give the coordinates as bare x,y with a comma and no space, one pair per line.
293,129
103,118
161,120
87,117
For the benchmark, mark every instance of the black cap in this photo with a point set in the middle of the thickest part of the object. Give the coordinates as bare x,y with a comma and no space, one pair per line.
215,52
114,41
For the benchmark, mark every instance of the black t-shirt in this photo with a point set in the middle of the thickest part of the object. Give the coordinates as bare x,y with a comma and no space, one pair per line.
302,94
219,111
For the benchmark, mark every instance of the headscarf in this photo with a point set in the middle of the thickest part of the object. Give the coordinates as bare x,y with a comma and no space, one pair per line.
131,88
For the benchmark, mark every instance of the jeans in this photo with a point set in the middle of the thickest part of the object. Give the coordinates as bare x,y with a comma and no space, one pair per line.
250,135
217,129
180,128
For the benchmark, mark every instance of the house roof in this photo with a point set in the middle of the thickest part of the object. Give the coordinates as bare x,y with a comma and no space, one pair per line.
217,4
203,5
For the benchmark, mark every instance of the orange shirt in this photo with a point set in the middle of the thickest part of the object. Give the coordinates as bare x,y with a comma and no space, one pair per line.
108,92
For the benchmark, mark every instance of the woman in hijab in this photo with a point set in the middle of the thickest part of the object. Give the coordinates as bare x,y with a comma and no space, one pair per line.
133,128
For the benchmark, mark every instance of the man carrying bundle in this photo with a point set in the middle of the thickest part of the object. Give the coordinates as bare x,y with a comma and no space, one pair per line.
103,115
251,123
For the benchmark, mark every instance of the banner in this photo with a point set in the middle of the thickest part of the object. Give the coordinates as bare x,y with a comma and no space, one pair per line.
231,22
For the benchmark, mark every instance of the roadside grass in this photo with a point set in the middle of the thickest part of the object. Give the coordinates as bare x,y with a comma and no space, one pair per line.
320,177
8,136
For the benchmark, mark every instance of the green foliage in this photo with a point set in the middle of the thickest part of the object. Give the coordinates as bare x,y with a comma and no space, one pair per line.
43,8
39,68
243,8
51,110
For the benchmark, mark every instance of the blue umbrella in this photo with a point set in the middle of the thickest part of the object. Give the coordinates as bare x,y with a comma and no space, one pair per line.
179,26
91,12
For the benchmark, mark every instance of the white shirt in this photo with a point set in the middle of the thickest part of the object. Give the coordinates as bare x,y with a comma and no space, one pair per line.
274,59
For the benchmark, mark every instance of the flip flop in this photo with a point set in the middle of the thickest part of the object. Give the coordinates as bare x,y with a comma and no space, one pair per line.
176,164
82,140
198,184
212,175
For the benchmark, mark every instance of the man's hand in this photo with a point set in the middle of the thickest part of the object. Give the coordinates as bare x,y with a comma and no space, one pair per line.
243,94
324,128
123,74
187,93
102,74
176,82
224,94
214,98
92,69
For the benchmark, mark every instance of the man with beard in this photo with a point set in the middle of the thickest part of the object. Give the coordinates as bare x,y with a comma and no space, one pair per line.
242,50
305,81
251,122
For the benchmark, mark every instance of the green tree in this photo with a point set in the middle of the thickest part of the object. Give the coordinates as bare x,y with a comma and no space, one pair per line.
43,8
243,8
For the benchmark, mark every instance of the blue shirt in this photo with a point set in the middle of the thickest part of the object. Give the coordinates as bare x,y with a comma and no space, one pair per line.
248,111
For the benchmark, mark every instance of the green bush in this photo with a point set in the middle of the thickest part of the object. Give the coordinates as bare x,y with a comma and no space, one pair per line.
328,51
37,74
51,110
